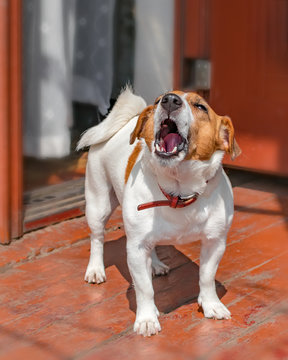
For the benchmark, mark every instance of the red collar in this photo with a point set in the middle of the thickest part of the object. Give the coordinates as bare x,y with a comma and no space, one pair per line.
172,201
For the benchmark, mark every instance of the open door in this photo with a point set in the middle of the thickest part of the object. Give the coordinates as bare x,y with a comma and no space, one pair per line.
245,43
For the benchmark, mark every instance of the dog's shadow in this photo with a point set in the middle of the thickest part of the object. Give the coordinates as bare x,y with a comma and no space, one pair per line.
177,288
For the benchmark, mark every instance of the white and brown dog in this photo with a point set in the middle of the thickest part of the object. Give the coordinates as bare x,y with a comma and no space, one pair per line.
171,186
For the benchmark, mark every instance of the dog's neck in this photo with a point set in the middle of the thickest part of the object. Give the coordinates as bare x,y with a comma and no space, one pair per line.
188,177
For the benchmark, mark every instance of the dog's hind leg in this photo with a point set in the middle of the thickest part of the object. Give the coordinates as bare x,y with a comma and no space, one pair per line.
158,267
100,203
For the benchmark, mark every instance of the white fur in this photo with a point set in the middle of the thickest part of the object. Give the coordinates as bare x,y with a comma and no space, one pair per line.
127,106
208,219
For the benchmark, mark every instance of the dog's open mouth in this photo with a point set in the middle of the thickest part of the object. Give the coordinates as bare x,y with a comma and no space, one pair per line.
168,141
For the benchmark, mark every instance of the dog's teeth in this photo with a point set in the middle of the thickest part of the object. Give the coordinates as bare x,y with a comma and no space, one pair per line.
158,147
162,146
175,149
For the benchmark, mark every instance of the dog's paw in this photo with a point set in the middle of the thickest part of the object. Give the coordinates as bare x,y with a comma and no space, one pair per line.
214,309
147,326
159,268
95,275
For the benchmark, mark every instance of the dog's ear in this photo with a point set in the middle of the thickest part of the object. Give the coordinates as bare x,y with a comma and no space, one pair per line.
143,117
226,140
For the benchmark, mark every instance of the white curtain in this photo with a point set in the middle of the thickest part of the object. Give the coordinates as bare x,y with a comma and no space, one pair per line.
68,56
154,48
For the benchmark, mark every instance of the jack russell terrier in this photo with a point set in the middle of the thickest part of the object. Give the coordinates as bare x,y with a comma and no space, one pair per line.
171,186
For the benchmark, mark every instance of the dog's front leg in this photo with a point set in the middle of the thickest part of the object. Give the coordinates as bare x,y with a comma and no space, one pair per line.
140,266
211,254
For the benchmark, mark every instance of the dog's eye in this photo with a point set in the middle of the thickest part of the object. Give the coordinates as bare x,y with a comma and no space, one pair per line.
201,107
157,101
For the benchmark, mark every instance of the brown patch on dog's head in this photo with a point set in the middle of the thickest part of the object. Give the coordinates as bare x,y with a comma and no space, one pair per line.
144,127
184,127
209,132
226,140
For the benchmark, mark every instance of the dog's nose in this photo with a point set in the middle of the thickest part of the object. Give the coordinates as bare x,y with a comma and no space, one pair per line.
171,102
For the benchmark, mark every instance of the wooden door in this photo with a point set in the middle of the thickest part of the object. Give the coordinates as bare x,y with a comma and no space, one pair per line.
247,44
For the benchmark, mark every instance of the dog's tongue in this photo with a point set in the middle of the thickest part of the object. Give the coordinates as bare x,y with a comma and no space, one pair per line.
171,140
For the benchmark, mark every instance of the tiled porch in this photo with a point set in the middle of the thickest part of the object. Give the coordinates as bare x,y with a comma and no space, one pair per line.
47,311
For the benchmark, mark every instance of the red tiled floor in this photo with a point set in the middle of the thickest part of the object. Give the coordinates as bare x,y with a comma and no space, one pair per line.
47,311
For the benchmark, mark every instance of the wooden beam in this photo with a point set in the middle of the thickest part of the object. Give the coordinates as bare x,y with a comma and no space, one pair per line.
4,133
15,117
10,121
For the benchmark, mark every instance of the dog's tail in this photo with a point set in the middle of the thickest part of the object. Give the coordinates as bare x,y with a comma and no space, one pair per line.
126,107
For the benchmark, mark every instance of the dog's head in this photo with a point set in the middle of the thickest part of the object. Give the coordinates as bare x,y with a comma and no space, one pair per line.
182,126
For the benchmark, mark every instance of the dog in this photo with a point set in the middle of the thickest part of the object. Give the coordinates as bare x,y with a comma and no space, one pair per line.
171,186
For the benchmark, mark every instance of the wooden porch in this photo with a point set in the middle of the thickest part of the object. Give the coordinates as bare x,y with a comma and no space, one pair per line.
47,311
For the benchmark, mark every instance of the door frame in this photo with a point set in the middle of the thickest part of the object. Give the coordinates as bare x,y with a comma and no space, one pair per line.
11,167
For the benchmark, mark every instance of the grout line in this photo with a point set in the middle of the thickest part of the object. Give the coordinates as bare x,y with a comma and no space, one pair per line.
242,273
270,197
240,298
80,311
39,253
113,338
234,340
257,231
64,317
32,256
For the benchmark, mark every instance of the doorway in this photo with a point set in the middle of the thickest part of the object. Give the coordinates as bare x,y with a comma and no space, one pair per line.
74,65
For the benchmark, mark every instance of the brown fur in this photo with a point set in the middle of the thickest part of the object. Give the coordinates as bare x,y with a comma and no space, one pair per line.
226,140
209,132
132,160
143,117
